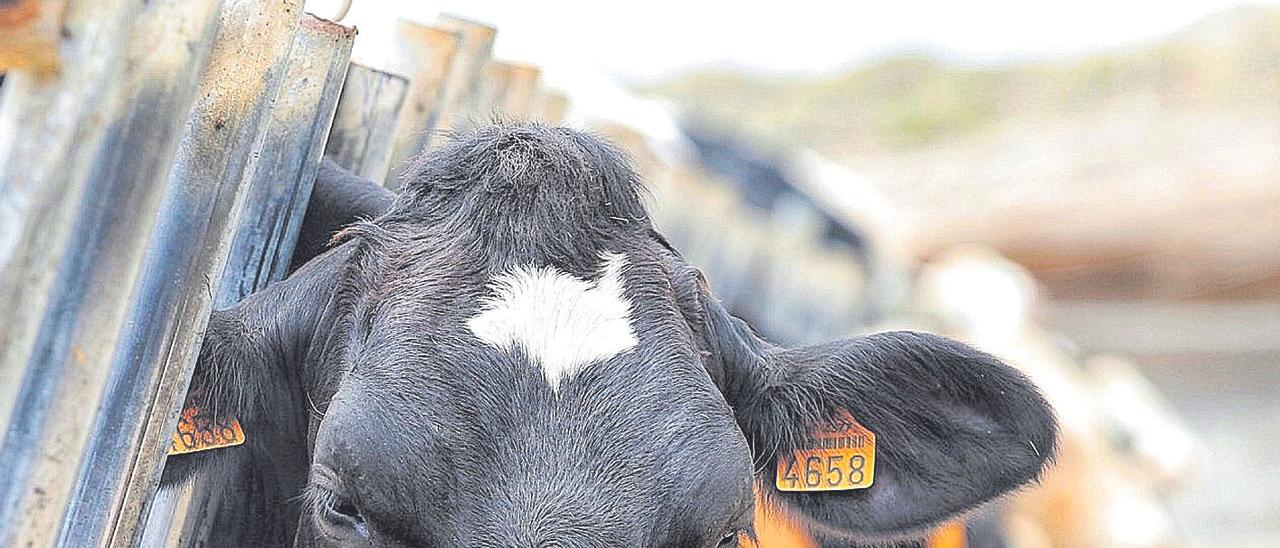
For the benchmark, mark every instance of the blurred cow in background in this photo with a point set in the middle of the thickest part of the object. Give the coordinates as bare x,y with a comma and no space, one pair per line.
1122,448
730,206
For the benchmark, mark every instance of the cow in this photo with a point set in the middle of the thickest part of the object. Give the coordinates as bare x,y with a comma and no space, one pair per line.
507,353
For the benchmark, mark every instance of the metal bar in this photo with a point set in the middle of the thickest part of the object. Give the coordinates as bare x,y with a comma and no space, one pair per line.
29,33
522,88
423,54
364,128
84,155
300,123
263,243
217,157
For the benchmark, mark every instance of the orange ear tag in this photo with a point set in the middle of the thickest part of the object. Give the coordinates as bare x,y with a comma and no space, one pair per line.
950,535
841,457
200,432
775,529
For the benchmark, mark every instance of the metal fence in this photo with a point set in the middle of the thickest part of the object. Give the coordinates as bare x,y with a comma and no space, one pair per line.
156,158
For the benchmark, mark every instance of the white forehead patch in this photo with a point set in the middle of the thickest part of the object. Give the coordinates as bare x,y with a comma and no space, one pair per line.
563,322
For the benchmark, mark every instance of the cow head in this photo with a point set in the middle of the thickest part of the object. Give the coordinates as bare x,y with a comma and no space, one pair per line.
510,355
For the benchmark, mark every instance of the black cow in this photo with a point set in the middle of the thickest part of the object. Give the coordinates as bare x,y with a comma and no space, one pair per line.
510,355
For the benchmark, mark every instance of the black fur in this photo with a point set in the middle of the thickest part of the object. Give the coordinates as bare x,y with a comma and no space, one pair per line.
339,198
359,374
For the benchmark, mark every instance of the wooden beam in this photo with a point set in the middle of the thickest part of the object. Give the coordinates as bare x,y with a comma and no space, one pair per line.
423,54
475,45
364,128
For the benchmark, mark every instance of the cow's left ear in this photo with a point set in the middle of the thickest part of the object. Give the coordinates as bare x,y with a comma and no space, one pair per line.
954,427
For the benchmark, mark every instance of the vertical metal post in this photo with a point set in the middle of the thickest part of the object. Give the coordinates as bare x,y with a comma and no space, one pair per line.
216,159
299,127
364,128
522,89
84,155
423,54
263,242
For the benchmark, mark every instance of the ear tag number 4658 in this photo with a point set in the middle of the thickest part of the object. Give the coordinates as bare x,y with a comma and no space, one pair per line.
841,457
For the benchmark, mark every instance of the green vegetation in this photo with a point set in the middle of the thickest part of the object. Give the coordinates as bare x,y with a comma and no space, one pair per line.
1228,61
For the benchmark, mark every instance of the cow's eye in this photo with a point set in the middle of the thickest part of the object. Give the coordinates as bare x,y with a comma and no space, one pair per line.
729,540
347,510
340,515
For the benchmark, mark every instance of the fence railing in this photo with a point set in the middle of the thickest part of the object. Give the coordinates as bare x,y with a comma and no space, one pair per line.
155,161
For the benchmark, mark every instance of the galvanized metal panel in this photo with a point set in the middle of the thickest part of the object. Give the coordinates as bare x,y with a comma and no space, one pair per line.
205,192
364,128
83,159
551,107
264,240
300,123
508,90
517,100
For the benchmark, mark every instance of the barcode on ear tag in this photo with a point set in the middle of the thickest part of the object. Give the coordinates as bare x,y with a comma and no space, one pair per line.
841,457
200,432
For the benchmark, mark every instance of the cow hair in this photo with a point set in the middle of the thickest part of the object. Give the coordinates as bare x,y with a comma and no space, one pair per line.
366,314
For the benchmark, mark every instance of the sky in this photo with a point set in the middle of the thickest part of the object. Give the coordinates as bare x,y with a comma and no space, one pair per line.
637,41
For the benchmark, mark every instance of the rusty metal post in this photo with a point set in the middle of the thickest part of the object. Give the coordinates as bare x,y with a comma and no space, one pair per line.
365,125
423,54
263,242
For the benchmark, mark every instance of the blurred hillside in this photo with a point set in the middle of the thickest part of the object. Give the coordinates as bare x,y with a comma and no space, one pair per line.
910,101
1140,187
1151,173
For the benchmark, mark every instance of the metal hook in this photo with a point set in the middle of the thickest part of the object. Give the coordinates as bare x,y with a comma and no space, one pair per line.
342,11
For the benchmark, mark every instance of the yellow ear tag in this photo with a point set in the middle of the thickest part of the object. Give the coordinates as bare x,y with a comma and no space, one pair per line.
200,432
841,457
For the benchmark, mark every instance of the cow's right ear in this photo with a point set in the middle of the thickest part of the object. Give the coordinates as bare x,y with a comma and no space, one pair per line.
338,199
954,427
252,362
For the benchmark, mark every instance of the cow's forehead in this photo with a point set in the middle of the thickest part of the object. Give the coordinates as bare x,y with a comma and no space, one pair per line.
559,321
552,386
527,333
